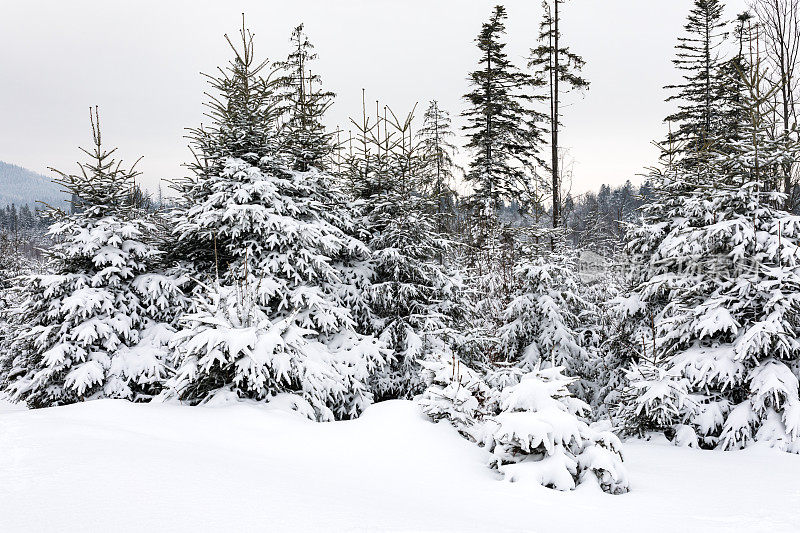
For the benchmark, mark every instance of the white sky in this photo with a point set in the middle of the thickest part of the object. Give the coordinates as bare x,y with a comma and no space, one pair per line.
140,62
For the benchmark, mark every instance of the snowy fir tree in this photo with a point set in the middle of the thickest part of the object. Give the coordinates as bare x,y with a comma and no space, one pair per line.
529,421
542,323
719,278
455,393
490,249
277,243
541,434
242,130
413,298
96,325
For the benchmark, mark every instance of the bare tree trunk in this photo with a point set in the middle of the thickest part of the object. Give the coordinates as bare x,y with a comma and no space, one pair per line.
489,177
781,22
554,125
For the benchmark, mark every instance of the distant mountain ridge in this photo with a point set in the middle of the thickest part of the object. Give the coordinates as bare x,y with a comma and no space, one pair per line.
21,186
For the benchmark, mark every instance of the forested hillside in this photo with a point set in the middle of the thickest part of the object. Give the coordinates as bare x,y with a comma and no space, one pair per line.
20,186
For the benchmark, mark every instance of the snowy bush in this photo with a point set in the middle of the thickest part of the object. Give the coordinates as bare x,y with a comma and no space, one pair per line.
533,426
455,393
541,434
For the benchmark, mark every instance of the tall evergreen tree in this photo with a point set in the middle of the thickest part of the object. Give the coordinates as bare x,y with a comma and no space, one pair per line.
698,117
242,127
504,136
504,133
556,67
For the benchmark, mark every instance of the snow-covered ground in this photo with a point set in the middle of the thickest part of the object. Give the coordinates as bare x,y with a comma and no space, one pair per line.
114,466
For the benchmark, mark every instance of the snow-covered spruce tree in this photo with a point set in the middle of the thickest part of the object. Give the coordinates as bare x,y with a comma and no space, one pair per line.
543,323
277,242
412,298
722,280
92,327
504,133
632,339
304,104
729,101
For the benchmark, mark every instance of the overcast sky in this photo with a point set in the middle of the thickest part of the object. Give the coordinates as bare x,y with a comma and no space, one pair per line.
140,62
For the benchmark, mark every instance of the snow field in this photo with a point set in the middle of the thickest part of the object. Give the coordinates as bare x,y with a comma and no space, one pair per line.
110,465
